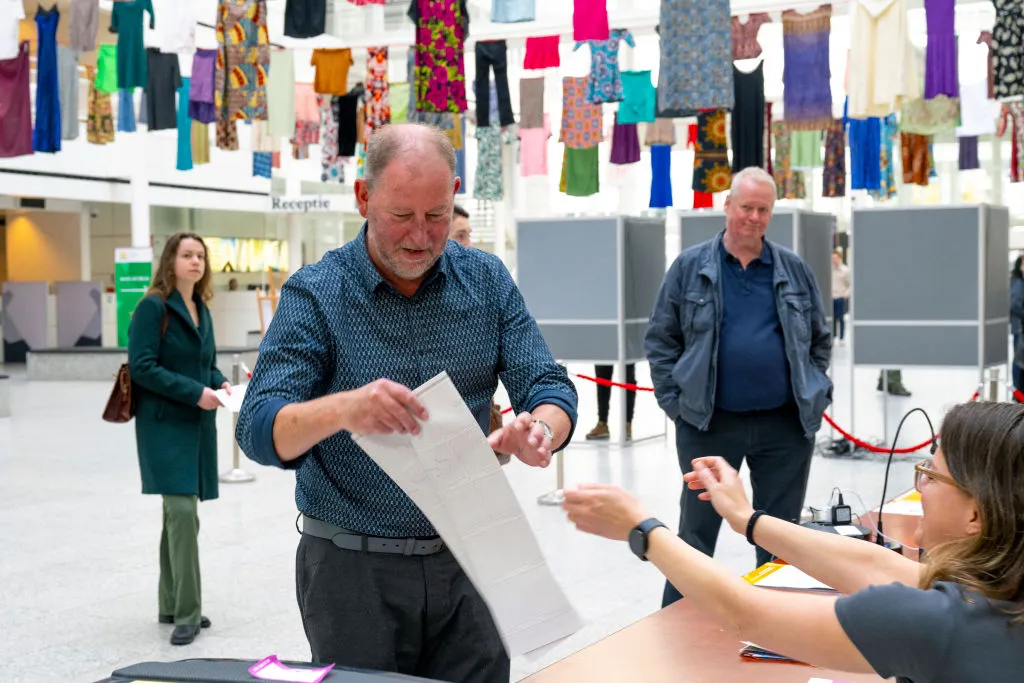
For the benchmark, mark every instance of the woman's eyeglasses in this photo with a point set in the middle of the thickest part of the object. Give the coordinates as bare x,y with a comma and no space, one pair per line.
923,472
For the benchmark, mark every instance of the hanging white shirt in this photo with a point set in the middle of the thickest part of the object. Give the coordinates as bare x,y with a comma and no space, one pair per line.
11,14
883,73
978,113
176,25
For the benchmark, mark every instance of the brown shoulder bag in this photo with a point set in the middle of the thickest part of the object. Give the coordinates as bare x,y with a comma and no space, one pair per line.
121,404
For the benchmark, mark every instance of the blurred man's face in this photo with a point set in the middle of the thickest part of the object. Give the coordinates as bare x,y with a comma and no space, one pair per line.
461,231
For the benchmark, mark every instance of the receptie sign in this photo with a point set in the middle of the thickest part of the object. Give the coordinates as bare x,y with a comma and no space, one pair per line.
312,204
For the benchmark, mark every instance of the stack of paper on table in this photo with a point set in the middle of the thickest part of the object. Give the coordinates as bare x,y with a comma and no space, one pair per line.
451,473
754,651
785,577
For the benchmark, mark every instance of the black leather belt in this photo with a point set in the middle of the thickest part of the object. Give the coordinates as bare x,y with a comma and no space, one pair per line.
346,540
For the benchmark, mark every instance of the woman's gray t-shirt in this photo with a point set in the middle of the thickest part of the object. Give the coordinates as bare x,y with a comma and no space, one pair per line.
942,635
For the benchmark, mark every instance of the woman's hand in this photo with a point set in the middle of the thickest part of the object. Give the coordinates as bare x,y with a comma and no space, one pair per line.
209,400
721,484
226,387
603,510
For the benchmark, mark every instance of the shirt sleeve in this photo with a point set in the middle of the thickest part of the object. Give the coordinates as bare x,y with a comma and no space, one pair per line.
526,366
900,630
628,37
293,366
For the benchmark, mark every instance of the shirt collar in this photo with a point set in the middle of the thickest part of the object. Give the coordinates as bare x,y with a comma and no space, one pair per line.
371,277
765,257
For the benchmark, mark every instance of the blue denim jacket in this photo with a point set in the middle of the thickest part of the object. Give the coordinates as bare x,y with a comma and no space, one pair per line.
682,337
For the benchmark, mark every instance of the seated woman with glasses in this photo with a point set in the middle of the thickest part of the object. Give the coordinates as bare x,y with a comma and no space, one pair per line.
957,617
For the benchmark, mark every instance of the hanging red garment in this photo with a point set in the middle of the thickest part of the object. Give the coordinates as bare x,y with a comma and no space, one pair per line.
15,105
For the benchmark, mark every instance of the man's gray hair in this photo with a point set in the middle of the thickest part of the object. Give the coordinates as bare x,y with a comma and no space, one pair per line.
398,140
754,174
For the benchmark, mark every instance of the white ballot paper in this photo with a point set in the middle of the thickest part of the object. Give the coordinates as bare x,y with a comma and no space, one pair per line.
232,401
451,473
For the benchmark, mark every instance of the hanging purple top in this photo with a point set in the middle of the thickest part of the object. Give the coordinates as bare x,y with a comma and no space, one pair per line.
15,105
807,75
940,69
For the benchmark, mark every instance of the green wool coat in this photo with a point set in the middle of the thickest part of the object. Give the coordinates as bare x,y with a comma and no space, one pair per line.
177,440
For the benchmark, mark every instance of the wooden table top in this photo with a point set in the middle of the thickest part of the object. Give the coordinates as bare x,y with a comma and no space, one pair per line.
678,644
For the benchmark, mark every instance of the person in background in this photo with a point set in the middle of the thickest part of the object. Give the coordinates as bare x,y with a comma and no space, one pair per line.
840,295
461,231
172,359
233,284
739,350
353,336
957,617
600,432
1017,322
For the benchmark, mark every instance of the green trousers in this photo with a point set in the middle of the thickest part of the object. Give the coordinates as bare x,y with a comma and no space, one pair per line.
179,590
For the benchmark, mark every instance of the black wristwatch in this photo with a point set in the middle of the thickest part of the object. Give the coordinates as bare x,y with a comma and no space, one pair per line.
638,536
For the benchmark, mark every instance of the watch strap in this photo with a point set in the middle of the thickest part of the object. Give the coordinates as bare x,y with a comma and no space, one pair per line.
750,525
644,528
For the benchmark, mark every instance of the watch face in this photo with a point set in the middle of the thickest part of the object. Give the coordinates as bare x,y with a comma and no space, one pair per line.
637,543
843,516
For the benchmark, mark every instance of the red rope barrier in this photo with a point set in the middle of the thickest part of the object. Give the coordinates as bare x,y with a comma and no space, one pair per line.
845,434
609,383
1018,396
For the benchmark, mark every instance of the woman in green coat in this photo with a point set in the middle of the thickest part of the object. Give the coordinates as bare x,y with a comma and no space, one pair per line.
172,358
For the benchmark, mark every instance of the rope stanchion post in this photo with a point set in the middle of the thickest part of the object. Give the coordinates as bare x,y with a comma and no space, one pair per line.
555,497
993,384
236,475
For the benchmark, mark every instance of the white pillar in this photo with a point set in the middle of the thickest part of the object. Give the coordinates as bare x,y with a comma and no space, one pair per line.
293,188
141,236
85,239
996,170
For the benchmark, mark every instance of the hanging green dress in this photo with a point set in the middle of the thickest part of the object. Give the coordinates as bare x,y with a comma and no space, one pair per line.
126,22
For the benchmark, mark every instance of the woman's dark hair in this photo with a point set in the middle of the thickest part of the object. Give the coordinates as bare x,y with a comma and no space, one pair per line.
1015,272
983,444
459,211
164,280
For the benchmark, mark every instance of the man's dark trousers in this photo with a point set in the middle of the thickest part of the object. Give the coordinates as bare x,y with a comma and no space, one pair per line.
414,615
778,455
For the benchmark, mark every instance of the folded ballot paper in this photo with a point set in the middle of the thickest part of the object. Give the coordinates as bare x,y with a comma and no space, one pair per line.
451,473
753,651
785,577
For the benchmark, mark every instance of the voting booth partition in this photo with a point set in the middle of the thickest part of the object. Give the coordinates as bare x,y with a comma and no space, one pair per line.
931,287
591,283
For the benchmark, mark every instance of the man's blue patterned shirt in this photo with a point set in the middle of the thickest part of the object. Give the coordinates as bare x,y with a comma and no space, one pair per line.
339,325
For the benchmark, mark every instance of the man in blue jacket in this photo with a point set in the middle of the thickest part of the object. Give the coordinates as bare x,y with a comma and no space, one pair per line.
352,337
739,348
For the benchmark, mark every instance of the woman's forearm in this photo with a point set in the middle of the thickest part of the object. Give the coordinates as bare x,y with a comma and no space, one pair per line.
846,564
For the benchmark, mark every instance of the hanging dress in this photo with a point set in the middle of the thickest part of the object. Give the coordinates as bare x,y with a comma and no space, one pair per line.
1008,48
46,134
940,70
833,174
243,60
806,76
126,21
789,183
748,119
604,84
15,105
711,172
440,71
883,69
696,57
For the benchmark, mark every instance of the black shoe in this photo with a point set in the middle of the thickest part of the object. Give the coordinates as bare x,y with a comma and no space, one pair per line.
183,635
169,619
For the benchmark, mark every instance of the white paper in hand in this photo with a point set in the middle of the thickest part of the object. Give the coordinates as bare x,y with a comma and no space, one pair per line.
232,401
450,472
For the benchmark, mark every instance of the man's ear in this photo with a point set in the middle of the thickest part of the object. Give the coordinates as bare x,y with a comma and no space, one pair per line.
362,193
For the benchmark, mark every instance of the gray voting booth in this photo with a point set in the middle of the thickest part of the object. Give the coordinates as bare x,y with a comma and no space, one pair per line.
590,283
931,286
808,234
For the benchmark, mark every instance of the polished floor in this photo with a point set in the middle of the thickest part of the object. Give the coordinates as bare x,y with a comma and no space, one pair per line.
78,543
